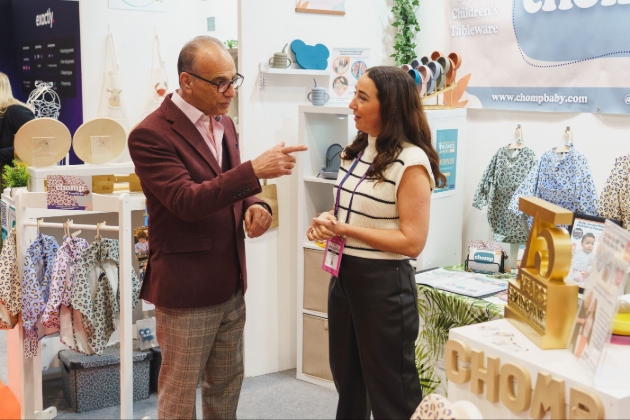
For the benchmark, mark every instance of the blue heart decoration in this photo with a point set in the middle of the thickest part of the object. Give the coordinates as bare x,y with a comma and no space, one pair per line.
310,57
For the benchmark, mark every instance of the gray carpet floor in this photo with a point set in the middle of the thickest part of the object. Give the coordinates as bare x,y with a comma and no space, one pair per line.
274,396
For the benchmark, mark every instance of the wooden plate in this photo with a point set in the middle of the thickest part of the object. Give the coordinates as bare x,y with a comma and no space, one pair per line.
42,142
107,136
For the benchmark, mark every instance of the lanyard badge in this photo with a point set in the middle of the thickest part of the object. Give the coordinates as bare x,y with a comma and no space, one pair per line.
335,245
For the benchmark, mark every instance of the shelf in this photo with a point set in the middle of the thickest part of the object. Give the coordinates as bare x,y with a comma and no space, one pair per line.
326,109
319,180
102,203
315,313
293,70
311,245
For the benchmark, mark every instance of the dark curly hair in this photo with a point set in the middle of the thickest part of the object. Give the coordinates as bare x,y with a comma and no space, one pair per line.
403,120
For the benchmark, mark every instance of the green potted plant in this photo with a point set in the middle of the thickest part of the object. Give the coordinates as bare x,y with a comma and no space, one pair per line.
231,43
15,176
405,21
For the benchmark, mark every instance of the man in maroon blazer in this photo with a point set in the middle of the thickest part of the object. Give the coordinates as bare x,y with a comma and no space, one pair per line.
198,196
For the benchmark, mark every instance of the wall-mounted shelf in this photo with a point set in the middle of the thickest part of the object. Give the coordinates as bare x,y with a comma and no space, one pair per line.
326,109
311,245
320,180
294,69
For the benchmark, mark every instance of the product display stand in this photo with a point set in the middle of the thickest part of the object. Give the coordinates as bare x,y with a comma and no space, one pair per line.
320,127
38,175
502,340
25,377
436,96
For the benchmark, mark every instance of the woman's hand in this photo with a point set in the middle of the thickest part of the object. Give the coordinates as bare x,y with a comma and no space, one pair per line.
322,228
328,223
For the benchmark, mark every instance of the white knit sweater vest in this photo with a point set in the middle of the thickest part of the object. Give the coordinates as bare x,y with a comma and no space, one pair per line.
375,206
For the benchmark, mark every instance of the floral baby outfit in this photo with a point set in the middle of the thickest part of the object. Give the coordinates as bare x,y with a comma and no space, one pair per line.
59,312
38,267
498,183
614,202
565,181
10,284
95,294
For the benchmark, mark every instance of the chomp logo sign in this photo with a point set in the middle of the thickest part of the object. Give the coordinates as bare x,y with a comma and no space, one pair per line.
572,30
45,19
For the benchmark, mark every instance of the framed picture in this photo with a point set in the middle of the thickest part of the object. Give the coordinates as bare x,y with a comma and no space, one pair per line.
141,245
330,7
585,231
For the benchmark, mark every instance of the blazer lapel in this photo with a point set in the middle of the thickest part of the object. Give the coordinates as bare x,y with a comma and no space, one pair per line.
187,130
231,142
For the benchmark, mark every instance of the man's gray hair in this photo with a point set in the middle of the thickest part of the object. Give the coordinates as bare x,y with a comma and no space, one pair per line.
186,60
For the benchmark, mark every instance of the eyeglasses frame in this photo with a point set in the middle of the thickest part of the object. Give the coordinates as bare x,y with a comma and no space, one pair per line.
218,85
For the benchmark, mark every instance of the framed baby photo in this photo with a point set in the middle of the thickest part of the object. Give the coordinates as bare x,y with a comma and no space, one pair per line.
141,244
585,233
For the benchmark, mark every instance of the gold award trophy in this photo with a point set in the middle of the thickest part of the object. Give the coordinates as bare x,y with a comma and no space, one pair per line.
540,304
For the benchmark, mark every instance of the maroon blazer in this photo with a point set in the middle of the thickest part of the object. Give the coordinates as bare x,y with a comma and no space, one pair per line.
196,238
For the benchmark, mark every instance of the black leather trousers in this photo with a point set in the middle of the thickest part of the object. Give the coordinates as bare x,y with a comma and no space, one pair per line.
373,325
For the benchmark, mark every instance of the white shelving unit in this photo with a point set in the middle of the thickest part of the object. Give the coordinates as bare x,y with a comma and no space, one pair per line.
294,69
319,127
25,374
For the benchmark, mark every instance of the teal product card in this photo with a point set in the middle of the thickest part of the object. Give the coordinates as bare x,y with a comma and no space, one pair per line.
446,145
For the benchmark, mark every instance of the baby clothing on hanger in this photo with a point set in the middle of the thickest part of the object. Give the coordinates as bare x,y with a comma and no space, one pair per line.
614,202
10,284
498,183
38,267
565,181
95,296
59,312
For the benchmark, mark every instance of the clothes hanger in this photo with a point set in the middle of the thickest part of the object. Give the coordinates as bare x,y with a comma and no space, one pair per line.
517,144
567,141
66,229
98,230
38,222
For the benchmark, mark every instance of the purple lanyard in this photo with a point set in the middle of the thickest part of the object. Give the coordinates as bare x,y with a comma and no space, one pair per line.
355,188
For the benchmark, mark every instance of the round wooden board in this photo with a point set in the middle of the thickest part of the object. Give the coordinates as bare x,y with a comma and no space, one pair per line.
42,128
105,127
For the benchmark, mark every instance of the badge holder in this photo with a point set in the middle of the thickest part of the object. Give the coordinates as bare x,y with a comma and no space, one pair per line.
332,255
334,246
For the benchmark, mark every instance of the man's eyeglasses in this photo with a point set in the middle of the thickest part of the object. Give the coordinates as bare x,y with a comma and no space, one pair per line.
222,87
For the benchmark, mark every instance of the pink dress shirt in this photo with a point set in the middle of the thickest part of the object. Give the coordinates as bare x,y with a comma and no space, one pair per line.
202,122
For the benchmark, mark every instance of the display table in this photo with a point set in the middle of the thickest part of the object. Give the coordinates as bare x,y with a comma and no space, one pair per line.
439,312
501,339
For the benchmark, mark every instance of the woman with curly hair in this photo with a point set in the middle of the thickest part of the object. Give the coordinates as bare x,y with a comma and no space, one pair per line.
381,213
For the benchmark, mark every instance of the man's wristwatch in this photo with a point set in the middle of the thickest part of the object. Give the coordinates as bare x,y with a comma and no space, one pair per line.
267,207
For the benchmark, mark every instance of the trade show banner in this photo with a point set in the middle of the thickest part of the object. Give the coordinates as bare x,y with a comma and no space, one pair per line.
543,55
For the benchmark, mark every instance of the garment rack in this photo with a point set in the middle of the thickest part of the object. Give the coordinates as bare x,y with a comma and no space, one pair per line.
25,374
102,226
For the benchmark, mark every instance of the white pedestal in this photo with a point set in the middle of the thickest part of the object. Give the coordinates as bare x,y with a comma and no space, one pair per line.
615,395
